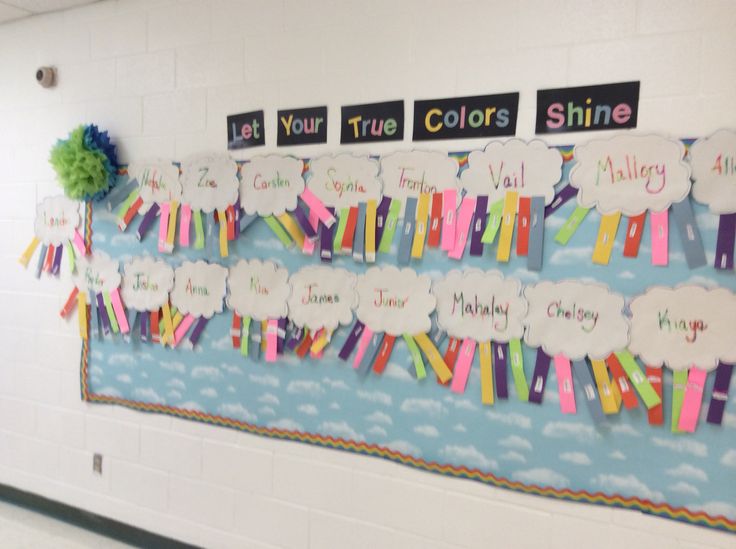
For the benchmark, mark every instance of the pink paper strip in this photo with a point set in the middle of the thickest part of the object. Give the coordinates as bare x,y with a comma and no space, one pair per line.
449,204
163,226
316,205
690,410
182,328
309,243
564,384
79,242
462,366
272,340
660,237
464,220
365,340
184,219
117,307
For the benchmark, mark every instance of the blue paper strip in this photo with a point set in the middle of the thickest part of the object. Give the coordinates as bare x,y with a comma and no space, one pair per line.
359,238
407,231
586,383
536,234
692,243
369,356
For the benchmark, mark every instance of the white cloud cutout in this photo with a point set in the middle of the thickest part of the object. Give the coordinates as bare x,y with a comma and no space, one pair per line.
322,297
468,455
682,446
684,326
344,180
258,289
531,169
630,173
395,301
576,458
209,181
56,219
411,173
146,283
270,185
575,319
714,180
158,180
481,305
199,288
96,273
541,476
626,485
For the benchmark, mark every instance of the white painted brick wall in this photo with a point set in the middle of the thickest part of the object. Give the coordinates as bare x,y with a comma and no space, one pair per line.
161,75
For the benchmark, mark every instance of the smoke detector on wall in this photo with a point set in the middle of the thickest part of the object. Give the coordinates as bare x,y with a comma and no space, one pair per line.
46,77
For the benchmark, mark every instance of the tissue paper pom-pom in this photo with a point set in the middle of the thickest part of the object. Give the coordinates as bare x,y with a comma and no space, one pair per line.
85,163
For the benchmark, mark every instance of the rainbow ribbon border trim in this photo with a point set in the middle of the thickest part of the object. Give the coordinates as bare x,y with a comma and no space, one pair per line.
665,510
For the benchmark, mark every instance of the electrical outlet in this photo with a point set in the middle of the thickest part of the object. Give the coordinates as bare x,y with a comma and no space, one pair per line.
97,464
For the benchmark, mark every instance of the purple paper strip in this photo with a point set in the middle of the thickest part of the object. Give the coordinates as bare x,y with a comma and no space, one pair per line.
303,220
720,393
479,225
281,336
144,322
147,221
500,352
564,195
326,235
539,377
726,241
381,213
236,207
352,340
296,338
56,266
102,311
198,329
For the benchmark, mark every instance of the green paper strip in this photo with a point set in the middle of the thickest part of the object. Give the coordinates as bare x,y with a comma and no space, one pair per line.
679,382
278,230
161,326
342,221
416,356
638,379
571,225
126,203
198,230
494,222
111,313
71,256
245,336
389,226
517,369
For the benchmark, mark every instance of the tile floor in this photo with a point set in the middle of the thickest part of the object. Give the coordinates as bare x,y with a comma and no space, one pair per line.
24,529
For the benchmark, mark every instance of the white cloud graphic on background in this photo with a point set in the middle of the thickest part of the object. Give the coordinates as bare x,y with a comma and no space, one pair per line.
258,289
468,455
481,305
344,180
630,174
576,458
209,181
322,297
146,283
684,326
531,169
199,288
270,185
713,183
626,484
682,446
575,319
56,219
395,301
541,477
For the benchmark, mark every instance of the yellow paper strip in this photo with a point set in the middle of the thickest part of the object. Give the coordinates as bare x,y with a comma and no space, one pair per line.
168,335
370,231
486,372
223,233
435,358
171,229
606,238
178,317
417,247
508,218
292,228
264,331
321,342
28,253
606,389
82,310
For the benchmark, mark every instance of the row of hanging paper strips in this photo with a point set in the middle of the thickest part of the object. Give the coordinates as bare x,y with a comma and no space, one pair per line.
354,205
690,329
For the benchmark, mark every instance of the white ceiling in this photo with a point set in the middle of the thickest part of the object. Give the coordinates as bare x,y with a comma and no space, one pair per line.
11,10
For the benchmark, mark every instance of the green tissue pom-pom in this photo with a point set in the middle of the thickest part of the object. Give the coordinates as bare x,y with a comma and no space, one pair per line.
81,171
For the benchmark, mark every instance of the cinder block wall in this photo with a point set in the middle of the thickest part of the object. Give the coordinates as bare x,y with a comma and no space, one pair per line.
161,76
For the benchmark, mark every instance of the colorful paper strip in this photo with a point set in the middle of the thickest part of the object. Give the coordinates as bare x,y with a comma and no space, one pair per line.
486,372
725,242
634,232
478,225
605,389
660,237
379,365
690,411
539,377
692,243
619,375
565,388
606,238
392,220
638,379
522,226
315,204
326,238
719,397
420,233
516,358
464,220
359,239
416,356
655,414
449,209
585,381
572,224
562,196
117,305
536,234
494,222
371,209
433,355
435,221
82,314
500,367
450,357
352,340
28,252
278,230
462,367
507,226
407,232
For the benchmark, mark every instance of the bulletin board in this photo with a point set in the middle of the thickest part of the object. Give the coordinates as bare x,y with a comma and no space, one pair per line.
527,447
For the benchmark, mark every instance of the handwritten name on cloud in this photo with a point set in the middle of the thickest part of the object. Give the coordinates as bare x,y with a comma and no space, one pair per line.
96,273
146,283
258,289
344,180
199,288
630,174
322,297
158,180
209,181
713,160
270,185
56,219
